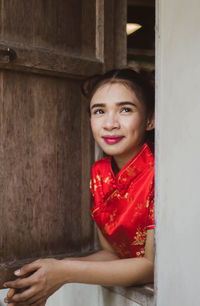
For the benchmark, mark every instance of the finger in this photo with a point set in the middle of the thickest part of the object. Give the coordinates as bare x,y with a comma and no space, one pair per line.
10,293
36,298
35,265
20,283
40,296
22,296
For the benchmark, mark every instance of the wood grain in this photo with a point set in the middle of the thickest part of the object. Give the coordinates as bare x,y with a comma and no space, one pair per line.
48,62
41,160
46,147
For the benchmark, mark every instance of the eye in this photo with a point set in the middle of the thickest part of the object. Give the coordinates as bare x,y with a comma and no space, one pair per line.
98,112
126,110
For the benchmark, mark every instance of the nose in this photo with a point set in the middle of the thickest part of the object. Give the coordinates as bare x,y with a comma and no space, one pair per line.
111,121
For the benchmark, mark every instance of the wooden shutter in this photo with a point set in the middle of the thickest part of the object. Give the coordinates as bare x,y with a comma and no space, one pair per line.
46,149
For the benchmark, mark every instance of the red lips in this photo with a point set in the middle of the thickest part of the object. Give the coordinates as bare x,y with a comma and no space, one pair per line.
112,139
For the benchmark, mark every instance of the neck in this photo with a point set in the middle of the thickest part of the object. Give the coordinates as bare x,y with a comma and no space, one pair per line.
121,161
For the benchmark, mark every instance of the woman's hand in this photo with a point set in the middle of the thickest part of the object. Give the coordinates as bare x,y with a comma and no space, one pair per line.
11,293
45,279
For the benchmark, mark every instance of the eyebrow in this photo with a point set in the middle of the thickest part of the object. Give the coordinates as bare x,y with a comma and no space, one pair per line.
118,103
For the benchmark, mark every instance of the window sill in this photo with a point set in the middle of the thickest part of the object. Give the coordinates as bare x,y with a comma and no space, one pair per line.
143,295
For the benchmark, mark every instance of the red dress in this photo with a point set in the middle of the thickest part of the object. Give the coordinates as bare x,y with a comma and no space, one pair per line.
123,205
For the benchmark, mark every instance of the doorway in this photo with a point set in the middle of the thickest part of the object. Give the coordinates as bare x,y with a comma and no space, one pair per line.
141,42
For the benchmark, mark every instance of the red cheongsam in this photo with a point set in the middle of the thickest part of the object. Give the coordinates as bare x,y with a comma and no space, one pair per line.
123,205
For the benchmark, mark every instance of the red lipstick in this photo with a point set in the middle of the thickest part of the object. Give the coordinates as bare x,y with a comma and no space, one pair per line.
112,139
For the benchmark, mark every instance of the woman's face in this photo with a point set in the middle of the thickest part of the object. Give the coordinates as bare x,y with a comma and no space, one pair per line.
118,121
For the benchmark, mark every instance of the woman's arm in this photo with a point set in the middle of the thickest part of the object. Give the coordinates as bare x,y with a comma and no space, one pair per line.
114,272
103,268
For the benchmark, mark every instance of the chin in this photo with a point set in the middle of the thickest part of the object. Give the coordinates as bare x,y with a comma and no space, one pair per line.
113,152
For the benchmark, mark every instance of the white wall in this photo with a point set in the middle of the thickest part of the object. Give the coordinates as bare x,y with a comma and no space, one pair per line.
76,295
178,153
2,296
92,295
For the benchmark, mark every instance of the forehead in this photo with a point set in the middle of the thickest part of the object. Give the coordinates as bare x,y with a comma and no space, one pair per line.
114,92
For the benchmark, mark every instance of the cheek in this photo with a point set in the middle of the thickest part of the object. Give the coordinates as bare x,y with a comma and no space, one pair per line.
94,126
137,123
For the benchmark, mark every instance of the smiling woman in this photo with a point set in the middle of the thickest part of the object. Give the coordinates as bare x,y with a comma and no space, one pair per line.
122,188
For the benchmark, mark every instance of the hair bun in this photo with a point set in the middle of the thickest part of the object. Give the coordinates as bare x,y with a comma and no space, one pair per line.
147,75
89,84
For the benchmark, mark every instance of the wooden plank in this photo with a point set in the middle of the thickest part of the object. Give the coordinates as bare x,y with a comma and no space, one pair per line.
88,29
87,149
100,30
45,61
67,26
120,42
43,169
115,34
48,24
108,35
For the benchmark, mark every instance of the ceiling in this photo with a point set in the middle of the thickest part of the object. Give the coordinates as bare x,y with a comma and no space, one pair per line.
142,12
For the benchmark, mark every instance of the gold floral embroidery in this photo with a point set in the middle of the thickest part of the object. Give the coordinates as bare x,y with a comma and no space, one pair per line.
140,237
113,215
112,222
151,214
139,206
140,253
91,189
139,209
126,195
97,182
95,211
131,171
115,194
118,196
124,179
106,228
129,197
107,180
151,166
121,249
98,177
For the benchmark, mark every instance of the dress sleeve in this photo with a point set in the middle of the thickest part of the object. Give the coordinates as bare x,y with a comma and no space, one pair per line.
150,218
92,194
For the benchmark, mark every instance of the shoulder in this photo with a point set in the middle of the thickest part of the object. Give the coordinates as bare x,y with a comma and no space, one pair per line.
102,165
146,161
100,170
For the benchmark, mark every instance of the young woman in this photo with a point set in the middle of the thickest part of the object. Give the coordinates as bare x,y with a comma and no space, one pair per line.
122,186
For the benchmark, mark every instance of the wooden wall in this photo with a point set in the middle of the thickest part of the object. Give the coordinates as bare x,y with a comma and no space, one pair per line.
46,148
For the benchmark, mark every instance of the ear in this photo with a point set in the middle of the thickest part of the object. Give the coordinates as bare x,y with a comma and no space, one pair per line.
150,124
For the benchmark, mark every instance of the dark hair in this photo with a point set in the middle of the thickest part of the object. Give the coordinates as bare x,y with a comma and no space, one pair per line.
140,82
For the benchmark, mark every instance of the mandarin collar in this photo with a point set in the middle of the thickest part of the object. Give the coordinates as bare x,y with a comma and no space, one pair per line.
143,159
